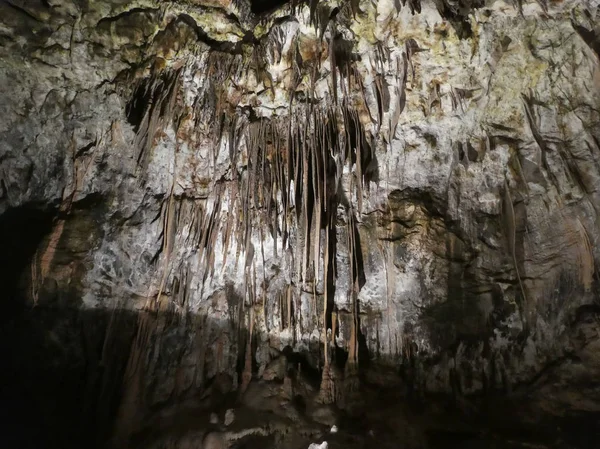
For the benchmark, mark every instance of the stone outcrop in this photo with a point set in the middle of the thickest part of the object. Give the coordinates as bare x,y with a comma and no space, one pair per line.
189,189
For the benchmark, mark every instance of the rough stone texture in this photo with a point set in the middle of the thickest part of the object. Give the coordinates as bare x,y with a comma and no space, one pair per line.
207,167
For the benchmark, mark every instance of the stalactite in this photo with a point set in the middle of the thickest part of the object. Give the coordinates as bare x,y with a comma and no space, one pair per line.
202,225
389,283
214,235
352,363
132,402
264,277
400,91
327,389
313,9
229,227
350,245
324,151
316,233
280,164
510,227
159,95
332,63
334,324
359,170
296,151
305,212
210,233
167,240
241,219
287,169
247,372
289,306
278,186
326,294
379,98
281,310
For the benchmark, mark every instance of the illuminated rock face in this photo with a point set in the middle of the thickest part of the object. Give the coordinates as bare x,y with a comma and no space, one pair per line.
421,178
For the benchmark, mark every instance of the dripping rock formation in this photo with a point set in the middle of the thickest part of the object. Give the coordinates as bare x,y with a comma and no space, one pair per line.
382,215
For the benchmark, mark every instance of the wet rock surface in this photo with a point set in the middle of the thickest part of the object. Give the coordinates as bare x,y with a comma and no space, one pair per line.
282,208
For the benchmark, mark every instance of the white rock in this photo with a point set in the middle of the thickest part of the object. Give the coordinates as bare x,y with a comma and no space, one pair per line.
229,417
323,445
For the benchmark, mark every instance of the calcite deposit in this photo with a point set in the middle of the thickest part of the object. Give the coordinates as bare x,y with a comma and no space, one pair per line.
197,194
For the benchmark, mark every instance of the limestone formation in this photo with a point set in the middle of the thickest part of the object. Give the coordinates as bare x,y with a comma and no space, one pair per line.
187,187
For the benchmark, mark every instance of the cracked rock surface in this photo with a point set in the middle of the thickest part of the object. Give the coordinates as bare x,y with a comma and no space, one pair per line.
197,194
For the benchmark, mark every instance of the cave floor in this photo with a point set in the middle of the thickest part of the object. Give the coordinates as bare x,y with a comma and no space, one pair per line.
265,419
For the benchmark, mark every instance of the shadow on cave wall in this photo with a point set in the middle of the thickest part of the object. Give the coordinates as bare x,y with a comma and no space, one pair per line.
21,231
67,372
58,392
63,366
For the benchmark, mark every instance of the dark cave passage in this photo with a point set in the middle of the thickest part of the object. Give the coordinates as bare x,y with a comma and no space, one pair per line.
21,231
65,385
265,6
54,390
57,391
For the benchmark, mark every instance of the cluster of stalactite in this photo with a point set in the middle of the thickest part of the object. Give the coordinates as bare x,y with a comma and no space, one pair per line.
291,189
284,184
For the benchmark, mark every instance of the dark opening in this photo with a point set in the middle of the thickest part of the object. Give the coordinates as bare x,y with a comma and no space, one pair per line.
297,360
21,231
136,107
264,6
55,389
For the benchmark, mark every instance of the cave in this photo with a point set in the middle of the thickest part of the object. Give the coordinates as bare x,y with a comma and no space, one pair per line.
299,225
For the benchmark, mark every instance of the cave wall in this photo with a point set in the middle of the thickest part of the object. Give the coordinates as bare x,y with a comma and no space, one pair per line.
420,178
